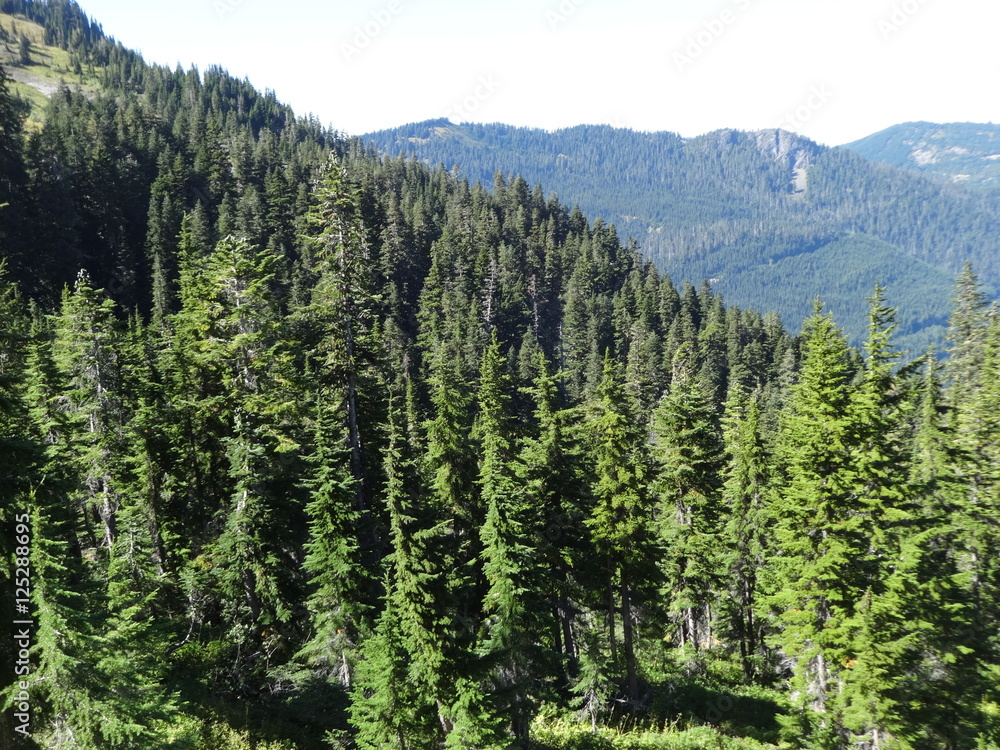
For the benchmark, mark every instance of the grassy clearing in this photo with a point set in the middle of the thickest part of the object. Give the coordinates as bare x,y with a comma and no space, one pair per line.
49,69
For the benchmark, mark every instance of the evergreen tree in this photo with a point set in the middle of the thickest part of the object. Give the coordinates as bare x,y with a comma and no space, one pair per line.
423,600
84,350
342,304
821,555
688,452
386,707
744,493
511,606
966,326
552,474
241,349
888,629
620,522
18,459
333,559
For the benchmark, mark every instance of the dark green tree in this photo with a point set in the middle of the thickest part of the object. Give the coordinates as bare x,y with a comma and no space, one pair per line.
512,607
821,555
747,539
620,522
688,451
337,576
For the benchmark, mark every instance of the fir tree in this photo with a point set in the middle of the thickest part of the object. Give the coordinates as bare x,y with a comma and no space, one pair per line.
552,473
744,493
84,349
342,303
620,522
386,707
511,607
333,559
688,452
821,556
419,584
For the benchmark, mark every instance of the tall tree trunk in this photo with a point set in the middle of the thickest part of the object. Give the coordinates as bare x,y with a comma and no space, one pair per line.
691,627
628,639
611,613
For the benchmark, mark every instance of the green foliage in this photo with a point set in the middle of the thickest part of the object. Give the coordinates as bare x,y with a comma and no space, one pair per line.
958,151
565,736
687,449
730,206
324,449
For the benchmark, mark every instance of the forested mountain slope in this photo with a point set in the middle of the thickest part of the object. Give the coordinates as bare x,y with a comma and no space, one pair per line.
749,211
964,153
301,447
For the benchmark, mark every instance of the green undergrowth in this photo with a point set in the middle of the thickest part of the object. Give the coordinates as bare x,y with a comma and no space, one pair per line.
565,735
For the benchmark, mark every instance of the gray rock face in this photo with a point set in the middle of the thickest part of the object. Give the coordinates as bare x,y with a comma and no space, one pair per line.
792,151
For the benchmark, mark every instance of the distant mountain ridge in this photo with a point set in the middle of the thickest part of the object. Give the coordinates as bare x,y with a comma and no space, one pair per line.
773,219
963,153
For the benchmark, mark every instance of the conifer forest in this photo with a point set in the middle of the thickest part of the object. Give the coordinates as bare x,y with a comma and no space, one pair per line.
308,446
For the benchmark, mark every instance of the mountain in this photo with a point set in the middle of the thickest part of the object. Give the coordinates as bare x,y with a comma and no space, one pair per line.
44,51
772,219
301,447
964,153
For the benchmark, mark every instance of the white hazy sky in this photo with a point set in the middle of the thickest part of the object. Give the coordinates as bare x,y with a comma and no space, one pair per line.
833,70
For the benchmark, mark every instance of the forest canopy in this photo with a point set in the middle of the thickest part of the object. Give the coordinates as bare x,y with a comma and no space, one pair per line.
314,448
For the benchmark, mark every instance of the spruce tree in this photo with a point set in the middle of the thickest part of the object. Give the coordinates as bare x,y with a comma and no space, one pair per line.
338,579
747,538
620,522
423,601
687,449
511,607
820,560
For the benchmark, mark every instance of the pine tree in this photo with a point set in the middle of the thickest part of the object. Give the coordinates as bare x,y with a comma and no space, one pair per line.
333,558
552,474
688,453
511,606
620,522
744,493
821,556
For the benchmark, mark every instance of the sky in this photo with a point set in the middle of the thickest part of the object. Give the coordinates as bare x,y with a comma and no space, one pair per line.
832,70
